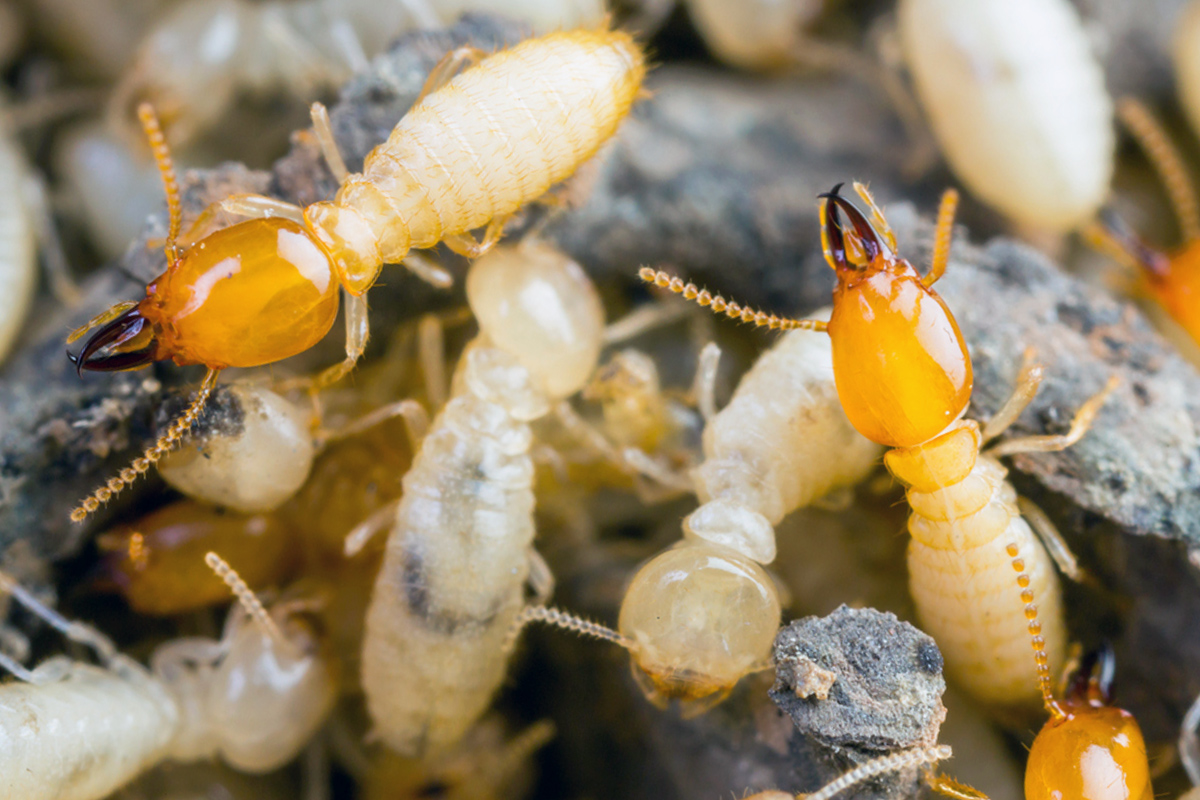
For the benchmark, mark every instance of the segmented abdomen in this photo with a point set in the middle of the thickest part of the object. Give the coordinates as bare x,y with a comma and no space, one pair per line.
965,588
82,737
496,137
452,580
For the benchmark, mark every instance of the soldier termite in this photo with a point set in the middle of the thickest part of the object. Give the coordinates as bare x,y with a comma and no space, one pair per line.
469,153
910,395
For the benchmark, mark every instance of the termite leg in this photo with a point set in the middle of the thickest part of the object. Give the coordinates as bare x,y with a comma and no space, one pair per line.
257,206
643,319
357,333
431,352
943,235
427,270
451,64
416,423
1025,389
1050,444
704,386
1189,742
468,247
380,520
1047,532
75,631
323,130
540,579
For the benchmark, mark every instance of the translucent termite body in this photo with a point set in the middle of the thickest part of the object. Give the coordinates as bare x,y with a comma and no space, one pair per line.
904,379
458,556
75,731
255,462
759,35
470,152
703,614
18,260
194,62
1017,102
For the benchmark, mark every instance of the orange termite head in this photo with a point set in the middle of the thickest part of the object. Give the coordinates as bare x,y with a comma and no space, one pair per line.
1094,750
901,366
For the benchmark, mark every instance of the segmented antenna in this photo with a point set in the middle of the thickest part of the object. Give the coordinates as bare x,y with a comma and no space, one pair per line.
248,600
152,455
892,762
1040,659
944,233
166,168
1162,154
719,305
563,619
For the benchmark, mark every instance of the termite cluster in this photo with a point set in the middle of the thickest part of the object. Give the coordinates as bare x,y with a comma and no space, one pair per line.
540,455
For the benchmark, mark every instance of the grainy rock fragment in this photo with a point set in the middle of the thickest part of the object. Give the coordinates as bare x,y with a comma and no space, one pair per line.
888,687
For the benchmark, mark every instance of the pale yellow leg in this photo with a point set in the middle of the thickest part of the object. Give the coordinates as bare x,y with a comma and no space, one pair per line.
468,247
1050,444
257,206
541,578
357,334
323,129
1028,381
1048,533
451,64
431,352
383,518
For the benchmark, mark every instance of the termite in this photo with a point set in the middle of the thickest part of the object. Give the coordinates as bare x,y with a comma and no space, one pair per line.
904,379
157,562
471,152
459,552
1018,103
703,614
256,456
18,263
1173,279
198,58
75,731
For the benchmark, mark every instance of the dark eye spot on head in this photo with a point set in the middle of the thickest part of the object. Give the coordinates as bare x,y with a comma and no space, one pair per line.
929,658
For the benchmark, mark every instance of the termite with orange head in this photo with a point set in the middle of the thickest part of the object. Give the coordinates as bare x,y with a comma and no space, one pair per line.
75,731
1173,279
904,379
470,152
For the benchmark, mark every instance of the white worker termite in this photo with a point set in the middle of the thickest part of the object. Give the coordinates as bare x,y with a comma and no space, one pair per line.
71,730
1017,102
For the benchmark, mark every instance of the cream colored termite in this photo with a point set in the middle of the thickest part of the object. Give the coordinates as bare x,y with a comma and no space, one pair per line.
18,262
703,614
969,531
459,553
1017,102
754,34
74,731
253,461
700,616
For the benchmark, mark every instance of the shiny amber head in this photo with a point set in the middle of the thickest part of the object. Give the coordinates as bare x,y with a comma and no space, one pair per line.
1093,752
899,360
250,294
